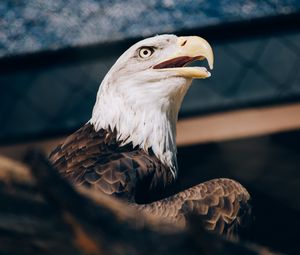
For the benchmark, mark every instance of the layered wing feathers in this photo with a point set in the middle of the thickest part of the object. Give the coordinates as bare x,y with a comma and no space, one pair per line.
222,204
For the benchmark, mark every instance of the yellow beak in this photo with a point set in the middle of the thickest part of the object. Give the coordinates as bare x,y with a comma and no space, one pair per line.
189,48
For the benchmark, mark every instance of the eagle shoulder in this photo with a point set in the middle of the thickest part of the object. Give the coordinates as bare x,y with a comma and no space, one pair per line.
98,160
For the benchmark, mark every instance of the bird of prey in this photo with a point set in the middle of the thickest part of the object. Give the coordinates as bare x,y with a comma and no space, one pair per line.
128,147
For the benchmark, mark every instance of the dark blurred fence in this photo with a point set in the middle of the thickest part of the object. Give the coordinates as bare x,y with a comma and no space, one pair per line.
58,98
52,91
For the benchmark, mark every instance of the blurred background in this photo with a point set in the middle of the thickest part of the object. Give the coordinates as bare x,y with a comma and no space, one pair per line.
242,123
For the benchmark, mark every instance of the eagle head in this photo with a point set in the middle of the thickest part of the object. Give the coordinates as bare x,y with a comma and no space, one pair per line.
141,95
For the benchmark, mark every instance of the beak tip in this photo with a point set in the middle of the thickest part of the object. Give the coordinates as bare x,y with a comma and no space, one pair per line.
210,60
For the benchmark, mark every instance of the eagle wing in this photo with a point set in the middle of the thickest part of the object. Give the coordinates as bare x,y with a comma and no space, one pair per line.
223,205
97,160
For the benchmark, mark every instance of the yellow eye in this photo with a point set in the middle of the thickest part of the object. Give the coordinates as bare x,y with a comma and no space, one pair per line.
146,52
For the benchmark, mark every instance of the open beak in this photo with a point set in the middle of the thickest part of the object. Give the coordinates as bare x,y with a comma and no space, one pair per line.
189,49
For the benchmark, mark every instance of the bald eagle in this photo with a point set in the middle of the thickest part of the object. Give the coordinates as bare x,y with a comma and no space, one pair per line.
128,147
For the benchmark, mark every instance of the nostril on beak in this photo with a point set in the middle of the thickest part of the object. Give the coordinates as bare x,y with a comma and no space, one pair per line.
184,43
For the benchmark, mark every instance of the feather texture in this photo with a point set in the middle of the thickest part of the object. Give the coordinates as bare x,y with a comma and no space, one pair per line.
223,205
97,160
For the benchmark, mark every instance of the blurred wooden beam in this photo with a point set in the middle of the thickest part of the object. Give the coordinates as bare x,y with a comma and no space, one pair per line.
238,124
209,128
17,151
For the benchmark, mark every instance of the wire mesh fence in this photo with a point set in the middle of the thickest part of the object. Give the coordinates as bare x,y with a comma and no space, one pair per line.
59,98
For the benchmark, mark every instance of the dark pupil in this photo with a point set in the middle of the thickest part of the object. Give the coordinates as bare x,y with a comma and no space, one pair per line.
145,52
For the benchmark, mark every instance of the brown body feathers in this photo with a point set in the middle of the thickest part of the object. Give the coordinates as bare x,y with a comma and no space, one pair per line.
97,160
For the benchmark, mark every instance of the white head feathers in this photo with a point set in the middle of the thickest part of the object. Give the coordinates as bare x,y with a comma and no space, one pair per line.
141,102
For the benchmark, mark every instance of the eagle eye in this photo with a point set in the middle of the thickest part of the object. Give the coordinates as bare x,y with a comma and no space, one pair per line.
146,52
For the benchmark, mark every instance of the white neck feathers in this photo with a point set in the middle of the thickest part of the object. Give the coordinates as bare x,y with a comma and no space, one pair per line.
142,115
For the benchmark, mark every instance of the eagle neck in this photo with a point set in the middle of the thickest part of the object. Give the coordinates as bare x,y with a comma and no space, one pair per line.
149,130
142,115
